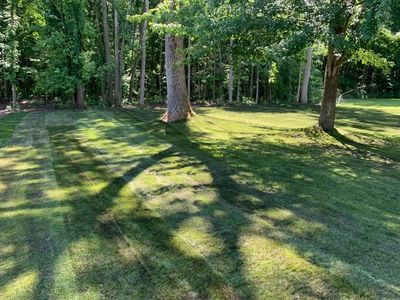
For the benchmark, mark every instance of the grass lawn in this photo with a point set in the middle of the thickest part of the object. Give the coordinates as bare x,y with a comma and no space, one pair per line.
238,203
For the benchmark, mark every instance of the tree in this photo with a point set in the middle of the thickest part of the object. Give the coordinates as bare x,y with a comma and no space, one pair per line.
143,30
11,51
350,27
178,104
117,57
107,50
306,77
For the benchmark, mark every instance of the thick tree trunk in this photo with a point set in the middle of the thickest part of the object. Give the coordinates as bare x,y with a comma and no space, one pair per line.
231,79
331,84
143,32
106,40
306,77
80,97
117,54
178,104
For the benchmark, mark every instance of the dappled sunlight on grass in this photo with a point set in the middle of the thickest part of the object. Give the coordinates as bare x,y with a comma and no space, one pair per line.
236,203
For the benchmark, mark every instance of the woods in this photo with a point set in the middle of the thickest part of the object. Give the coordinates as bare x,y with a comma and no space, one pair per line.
105,53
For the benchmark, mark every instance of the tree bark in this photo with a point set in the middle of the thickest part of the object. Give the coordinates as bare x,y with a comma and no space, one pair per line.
251,81
178,104
298,86
143,32
188,71
106,40
257,85
14,96
80,97
231,79
306,77
13,62
238,84
328,106
117,54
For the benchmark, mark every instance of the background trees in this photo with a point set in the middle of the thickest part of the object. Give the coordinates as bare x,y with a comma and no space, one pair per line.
240,51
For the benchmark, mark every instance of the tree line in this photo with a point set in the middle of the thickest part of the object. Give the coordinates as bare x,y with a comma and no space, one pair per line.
114,53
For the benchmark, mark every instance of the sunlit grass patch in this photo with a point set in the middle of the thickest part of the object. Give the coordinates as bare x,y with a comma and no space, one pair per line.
243,202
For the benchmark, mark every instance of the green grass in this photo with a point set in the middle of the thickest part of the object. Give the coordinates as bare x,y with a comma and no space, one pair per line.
241,202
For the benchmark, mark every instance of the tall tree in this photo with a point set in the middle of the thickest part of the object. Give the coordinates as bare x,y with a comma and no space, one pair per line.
351,26
107,51
117,57
178,104
231,79
143,31
306,77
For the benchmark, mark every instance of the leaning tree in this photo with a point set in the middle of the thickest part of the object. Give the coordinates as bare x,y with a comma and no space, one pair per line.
348,28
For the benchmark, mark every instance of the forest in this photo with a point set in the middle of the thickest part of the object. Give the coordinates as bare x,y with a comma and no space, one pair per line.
199,149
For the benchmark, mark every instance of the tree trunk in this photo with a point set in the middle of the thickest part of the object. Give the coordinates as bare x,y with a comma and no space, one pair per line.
14,96
106,39
188,71
214,80
160,87
80,97
331,84
132,79
257,85
143,32
230,83
238,84
178,104
251,81
117,54
13,62
306,77
298,86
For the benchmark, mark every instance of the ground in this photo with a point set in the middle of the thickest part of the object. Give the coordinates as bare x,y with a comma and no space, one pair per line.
240,202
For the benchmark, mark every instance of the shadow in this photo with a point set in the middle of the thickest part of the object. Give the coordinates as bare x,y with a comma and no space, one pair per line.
169,211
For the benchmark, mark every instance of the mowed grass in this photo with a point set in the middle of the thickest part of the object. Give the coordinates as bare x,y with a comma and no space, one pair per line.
238,203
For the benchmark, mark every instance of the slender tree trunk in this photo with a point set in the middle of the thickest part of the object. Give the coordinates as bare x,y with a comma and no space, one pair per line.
160,90
231,79
251,81
238,84
106,40
188,71
331,84
257,85
80,97
117,54
132,79
214,81
143,32
306,77
298,86
13,62
221,76
14,96
5,87
178,104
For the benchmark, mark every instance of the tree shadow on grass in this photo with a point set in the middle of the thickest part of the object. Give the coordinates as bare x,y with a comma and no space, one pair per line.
350,224
137,251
